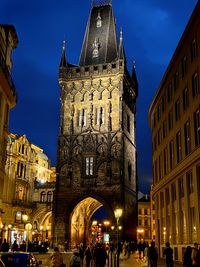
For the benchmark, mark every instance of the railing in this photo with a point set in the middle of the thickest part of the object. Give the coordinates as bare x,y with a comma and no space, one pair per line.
22,203
6,72
40,185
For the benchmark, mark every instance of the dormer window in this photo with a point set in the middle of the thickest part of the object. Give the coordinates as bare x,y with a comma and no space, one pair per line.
99,20
95,52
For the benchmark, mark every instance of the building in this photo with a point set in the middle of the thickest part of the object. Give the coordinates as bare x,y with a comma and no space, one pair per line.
96,148
144,219
174,117
28,191
8,97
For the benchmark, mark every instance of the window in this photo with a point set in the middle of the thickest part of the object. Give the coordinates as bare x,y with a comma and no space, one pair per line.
128,123
18,217
178,147
35,225
159,136
145,212
183,66
139,212
140,222
176,80
177,110
89,165
99,116
195,84
173,191
82,119
165,161
185,98
169,93
170,120
163,103
145,222
193,50
95,52
159,168
190,182
197,127
43,196
129,171
164,128
158,112
167,196
181,187
187,138
50,196
171,154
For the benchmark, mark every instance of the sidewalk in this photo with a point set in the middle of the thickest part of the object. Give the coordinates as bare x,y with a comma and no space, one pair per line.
134,261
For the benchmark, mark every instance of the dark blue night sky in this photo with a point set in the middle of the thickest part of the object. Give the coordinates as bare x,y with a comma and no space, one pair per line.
151,31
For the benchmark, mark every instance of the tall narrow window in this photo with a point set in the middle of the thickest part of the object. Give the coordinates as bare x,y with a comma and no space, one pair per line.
99,20
89,165
171,154
170,120
99,116
165,161
164,128
193,49
185,98
178,147
190,182
176,80
169,93
82,119
163,103
43,196
128,123
195,84
197,127
181,187
177,110
187,138
184,66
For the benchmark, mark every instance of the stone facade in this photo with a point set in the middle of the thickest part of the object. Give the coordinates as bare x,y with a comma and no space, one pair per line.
96,146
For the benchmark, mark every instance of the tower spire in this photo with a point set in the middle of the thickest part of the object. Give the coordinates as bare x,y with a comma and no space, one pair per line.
63,61
121,48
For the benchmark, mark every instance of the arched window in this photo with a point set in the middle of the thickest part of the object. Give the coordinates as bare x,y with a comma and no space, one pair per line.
50,196
43,196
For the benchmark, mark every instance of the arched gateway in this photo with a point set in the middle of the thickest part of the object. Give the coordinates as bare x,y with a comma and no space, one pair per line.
96,147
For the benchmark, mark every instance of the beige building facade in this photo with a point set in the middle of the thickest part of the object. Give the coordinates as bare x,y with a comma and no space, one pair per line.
174,118
27,193
8,98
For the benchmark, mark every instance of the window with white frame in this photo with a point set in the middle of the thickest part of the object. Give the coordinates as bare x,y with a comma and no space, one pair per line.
89,166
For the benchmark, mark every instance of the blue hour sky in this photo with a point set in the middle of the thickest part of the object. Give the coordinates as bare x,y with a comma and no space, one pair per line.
151,31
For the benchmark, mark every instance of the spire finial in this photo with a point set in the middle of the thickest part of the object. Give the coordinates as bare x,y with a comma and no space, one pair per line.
64,44
134,63
121,34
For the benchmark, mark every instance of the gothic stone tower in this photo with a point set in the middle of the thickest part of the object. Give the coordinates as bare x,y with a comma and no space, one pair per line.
96,147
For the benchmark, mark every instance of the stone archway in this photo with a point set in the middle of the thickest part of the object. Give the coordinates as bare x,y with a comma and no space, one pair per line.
81,220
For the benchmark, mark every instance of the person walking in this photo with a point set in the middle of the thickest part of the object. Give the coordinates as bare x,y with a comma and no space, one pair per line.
75,260
4,246
15,246
187,257
88,256
152,255
195,255
168,254
56,258
100,256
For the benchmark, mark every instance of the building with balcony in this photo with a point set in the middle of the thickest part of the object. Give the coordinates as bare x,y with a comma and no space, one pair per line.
174,117
8,98
28,190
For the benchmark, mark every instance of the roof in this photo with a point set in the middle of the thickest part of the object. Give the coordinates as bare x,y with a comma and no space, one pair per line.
11,29
101,37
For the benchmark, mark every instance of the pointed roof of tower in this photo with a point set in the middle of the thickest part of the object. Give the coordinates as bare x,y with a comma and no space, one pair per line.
63,61
100,42
121,47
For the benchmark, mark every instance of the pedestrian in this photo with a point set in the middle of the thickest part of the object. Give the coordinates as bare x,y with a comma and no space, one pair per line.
75,260
15,246
195,255
4,246
100,255
56,258
88,256
168,254
152,255
81,252
187,257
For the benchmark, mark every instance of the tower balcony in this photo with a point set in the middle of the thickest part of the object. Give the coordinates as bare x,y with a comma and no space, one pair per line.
7,82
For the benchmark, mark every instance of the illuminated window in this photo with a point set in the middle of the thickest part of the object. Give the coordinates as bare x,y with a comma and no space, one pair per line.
99,119
18,217
195,84
185,98
99,20
89,165
43,196
178,147
187,138
81,118
197,127
50,196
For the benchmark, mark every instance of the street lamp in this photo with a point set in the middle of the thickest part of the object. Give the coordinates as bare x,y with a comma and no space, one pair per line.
106,223
118,213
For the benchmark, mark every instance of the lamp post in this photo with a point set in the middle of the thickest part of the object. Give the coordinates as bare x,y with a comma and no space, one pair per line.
25,219
118,213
